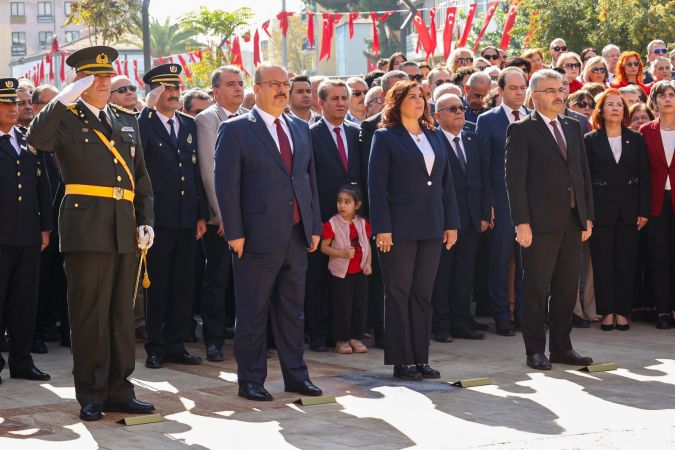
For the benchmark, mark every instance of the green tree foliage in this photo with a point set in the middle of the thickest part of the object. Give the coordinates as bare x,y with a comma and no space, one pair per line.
216,25
169,38
106,20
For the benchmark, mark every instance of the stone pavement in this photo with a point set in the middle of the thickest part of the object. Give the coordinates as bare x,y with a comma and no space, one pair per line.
633,407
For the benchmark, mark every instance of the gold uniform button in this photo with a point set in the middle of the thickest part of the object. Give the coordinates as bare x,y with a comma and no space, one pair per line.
182,192
428,183
18,174
119,178
182,178
115,160
20,187
18,163
77,205
20,198
86,140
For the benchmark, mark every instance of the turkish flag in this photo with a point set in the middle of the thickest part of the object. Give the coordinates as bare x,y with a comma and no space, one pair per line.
62,72
492,6
310,29
265,26
283,21
352,17
508,26
432,30
256,48
183,64
235,52
326,35
467,25
137,75
423,34
450,15
376,40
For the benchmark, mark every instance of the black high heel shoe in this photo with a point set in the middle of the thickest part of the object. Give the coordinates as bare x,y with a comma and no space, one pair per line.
608,327
407,372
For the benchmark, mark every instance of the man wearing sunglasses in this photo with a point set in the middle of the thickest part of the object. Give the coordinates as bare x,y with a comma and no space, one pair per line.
436,78
412,70
123,93
655,49
557,47
357,100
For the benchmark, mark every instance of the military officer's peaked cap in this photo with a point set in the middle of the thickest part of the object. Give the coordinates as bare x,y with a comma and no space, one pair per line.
166,74
93,60
8,90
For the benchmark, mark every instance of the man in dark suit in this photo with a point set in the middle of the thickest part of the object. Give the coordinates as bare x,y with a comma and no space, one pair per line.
454,280
266,189
105,216
491,130
335,143
25,223
228,91
551,203
475,90
169,139
375,286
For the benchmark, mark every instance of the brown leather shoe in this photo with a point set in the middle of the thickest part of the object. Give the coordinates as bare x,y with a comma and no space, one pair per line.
572,358
538,361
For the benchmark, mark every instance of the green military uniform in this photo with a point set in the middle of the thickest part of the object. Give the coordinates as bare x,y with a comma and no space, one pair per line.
98,219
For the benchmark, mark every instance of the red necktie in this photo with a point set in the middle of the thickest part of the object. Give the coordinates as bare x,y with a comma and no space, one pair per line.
287,157
516,114
341,148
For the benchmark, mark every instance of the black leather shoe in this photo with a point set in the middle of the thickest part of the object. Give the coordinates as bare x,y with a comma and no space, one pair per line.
664,322
254,391
428,372
91,412
184,358
305,388
214,353
505,328
572,358
38,347
407,372
32,374
538,361
607,327
468,333
477,326
444,338
133,406
578,322
154,362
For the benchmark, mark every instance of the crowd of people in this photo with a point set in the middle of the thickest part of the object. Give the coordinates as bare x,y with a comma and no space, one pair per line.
333,213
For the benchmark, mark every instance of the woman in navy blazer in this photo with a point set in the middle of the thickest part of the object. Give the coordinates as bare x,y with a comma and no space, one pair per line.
413,209
619,168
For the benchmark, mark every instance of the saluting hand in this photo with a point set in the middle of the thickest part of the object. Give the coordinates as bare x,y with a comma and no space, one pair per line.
237,246
153,96
74,90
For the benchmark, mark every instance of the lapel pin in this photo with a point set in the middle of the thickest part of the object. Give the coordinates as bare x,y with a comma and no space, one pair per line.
468,138
189,139
194,159
627,141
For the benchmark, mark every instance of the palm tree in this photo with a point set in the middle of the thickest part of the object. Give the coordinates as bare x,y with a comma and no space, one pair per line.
169,39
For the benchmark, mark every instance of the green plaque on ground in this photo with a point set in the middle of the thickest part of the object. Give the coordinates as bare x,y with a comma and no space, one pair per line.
140,420
472,382
309,401
604,367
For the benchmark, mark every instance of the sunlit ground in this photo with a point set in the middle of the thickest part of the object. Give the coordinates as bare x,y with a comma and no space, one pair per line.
632,407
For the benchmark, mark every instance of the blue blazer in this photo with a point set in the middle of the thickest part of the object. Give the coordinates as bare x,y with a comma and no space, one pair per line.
404,199
180,199
330,172
254,189
471,186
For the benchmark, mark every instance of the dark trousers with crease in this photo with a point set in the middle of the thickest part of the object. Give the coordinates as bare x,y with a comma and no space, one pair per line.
375,310
100,299
214,286
271,285
19,275
317,287
454,281
168,303
662,256
408,271
349,296
551,264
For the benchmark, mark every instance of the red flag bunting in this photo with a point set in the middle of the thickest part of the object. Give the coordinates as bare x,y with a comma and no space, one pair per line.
126,68
450,15
50,60
352,17
328,27
235,51
376,40
310,28
423,34
492,6
432,30
62,74
186,69
256,48
265,26
467,25
283,21
137,76
508,26
55,45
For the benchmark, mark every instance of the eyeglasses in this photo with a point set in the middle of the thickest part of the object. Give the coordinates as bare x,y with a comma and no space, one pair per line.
453,109
572,65
660,51
482,68
551,91
632,64
558,49
378,100
274,84
464,60
599,70
359,93
124,89
417,77
491,57
584,104
439,82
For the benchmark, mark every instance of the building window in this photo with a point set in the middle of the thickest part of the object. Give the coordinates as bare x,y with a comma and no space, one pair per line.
45,37
18,9
72,36
44,12
67,8
18,43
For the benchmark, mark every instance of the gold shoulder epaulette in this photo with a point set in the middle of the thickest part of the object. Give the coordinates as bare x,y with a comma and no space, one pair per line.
187,116
124,110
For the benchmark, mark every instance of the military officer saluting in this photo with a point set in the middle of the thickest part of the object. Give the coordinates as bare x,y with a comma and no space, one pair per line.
25,222
104,218
169,140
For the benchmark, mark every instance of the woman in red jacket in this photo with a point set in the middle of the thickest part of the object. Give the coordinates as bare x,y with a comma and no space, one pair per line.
660,142
629,70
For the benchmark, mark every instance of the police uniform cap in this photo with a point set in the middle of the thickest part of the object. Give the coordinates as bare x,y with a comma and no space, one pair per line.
93,60
166,74
8,90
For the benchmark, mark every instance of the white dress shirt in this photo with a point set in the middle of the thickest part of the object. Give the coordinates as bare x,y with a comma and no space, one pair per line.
509,112
426,149
165,122
13,140
668,139
550,128
615,145
95,111
332,128
451,139
272,127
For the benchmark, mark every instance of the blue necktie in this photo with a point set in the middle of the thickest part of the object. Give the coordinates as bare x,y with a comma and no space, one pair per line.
460,155
172,133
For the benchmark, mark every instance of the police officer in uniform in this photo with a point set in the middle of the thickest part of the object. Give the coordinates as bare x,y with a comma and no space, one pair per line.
25,223
105,216
169,140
